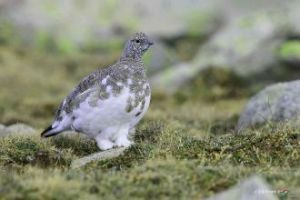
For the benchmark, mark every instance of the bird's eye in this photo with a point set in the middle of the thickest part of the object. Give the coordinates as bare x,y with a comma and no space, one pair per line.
137,41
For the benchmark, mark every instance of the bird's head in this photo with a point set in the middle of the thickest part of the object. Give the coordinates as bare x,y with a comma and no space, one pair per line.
137,46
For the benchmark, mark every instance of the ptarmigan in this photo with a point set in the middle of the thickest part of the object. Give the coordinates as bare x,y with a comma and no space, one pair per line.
107,104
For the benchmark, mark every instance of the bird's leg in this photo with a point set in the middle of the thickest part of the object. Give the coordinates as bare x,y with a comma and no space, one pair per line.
104,143
122,138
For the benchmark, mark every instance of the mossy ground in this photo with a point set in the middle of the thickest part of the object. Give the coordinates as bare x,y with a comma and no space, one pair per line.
185,148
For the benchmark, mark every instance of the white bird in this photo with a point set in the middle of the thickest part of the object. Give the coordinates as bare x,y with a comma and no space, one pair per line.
107,104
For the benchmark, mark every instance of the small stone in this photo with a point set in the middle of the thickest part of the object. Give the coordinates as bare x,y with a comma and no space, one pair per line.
103,155
20,128
252,188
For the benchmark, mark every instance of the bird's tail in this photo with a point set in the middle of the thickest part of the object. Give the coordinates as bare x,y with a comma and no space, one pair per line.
50,131
57,127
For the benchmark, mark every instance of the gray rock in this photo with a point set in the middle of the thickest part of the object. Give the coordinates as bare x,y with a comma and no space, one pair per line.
276,103
252,188
20,129
2,129
103,155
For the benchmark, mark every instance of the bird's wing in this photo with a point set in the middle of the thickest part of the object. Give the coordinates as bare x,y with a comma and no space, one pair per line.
90,86
87,86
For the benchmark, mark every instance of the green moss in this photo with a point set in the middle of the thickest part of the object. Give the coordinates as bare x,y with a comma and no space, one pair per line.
165,162
221,126
18,151
79,145
289,49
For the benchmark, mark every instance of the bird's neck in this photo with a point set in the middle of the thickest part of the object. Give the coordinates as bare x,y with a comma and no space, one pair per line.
130,53
136,64
131,56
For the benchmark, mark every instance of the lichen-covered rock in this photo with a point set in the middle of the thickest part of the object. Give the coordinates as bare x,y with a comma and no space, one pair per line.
252,188
20,129
243,49
246,44
276,103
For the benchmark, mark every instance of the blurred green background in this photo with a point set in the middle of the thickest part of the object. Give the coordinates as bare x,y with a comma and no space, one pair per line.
46,47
